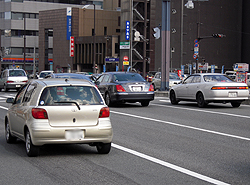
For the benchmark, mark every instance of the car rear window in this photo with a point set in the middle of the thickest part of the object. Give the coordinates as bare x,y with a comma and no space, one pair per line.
64,95
17,73
216,78
128,77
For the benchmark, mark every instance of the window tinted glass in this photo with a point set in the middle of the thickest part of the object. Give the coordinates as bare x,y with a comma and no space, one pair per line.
29,92
216,78
128,77
63,95
189,79
16,73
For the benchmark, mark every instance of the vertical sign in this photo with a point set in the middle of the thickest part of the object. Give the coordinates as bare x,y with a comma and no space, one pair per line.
212,68
68,22
182,70
222,69
71,47
127,33
190,69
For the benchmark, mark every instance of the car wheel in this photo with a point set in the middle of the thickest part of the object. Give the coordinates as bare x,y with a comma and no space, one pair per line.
9,138
107,99
145,103
173,98
103,148
200,100
235,104
31,150
5,88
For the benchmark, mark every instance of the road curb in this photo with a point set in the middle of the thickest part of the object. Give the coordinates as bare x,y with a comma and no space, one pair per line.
165,94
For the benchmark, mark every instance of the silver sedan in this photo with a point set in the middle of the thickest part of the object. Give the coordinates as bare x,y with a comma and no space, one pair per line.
59,111
209,87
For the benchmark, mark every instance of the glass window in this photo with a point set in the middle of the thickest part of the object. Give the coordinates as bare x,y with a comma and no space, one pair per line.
70,95
128,77
106,78
188,79
17,73
16,16
196,79
19,96
29,92
16,51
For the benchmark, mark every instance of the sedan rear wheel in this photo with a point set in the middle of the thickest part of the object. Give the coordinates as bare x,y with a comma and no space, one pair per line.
103,148
145,103
31,150
9,138
200,100
107,99
173,98
235,104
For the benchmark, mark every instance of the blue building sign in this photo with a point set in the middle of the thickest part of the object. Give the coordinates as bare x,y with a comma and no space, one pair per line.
69,22
127,33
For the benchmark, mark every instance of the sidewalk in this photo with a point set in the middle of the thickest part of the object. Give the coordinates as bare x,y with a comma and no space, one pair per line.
165,94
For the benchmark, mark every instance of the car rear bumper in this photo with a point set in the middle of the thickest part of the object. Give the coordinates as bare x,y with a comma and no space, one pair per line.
136,97
14,85
103,132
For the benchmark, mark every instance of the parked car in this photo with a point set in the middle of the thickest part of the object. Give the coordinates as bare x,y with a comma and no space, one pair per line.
124,87
173,80
209,87
43,74
58,111
13,79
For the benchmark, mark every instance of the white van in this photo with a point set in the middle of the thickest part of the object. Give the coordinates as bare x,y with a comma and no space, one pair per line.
13,79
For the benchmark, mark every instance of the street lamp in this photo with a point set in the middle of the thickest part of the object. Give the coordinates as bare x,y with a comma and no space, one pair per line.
94,49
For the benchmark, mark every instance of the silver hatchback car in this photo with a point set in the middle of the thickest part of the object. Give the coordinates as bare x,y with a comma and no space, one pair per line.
59,111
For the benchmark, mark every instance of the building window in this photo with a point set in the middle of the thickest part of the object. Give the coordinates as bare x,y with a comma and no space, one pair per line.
7,15
105,30
16,16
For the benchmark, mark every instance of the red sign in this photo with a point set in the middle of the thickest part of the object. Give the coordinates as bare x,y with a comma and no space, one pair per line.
71,47
125,58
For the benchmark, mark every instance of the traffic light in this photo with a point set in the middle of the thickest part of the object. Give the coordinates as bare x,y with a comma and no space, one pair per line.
96,66
218,35
157,33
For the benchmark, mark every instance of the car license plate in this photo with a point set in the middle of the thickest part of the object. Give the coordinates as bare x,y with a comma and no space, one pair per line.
18,85
74,135
232,94
136,88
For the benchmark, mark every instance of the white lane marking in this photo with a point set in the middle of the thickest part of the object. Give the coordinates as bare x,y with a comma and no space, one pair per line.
184,126
169,165
199,110
4,108
163,163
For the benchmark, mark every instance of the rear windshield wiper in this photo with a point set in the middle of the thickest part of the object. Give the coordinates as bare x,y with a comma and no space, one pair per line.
78,106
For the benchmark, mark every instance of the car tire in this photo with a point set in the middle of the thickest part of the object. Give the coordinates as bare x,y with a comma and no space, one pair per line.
9,138
103,148
31,150
107,99
5,88
145,103
173,99
200,100
235,104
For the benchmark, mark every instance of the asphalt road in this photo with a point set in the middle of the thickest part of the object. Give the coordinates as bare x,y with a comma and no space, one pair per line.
158,144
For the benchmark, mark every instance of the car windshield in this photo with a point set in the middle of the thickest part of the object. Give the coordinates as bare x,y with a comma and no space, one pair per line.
128,77
216,78
44,74
64,95
16,73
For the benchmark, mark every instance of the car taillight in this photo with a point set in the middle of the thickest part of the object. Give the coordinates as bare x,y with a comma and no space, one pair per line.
104,112
25,81
9,81
119,88
222,88
39,113
151,87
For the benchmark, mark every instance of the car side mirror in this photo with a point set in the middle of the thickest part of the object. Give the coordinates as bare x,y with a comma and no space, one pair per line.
10,100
